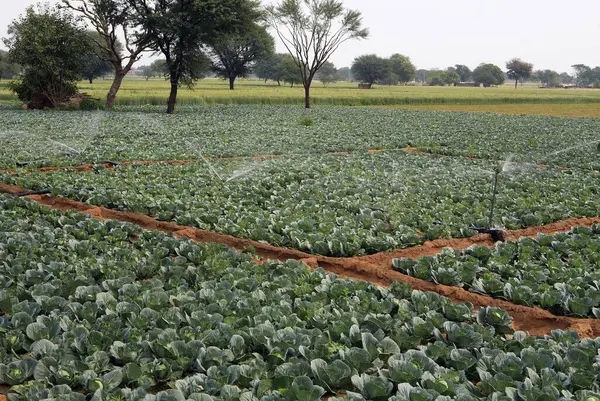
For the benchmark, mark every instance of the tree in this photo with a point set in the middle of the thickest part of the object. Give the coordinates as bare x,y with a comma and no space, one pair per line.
582,75
450,77
344,74
181,29
234,55
402,68
148,72
518,70
287,71
422,76
434,78
94,65
565,78
548,78
328,73
266,68
488,74
113,19
463,72
48,43
312,30
369,69
8,70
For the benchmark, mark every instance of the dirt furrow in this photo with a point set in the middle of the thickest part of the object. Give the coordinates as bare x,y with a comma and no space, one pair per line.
376,269
89,166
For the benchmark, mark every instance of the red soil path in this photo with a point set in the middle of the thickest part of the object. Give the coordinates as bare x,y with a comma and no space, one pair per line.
88,167
376,268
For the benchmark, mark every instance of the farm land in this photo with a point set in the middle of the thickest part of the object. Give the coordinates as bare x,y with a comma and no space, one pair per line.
244,252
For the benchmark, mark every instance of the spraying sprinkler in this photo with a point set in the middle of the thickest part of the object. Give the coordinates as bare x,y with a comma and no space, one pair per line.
496,233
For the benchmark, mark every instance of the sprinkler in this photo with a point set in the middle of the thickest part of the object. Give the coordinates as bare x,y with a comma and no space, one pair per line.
496,233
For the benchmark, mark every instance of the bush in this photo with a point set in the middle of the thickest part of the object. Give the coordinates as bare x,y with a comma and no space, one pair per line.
436,81
90,104
306,121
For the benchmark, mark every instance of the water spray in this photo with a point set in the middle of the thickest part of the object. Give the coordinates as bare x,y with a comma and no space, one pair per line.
210,166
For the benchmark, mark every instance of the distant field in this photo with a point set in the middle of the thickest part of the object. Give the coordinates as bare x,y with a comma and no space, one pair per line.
136,91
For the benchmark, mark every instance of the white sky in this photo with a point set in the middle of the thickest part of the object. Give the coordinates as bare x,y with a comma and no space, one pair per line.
437,33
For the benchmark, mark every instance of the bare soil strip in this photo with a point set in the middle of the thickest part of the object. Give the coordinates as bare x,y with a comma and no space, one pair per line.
376,269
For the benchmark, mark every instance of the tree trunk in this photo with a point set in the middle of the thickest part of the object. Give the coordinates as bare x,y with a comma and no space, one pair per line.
278,83
172,97
114,88
231,83
91,79
516,83
307,96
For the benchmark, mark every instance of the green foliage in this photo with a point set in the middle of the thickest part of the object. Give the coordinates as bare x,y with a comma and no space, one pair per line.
48,43
370,69
306,121
90,104
312,31
234,55
488,74
328,73
556,273
402,67
8,69
179,30
518,70
209,324
463,72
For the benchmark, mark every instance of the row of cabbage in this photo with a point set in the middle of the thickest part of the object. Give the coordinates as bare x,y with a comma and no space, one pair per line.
104,311
334,205
144,133
559,272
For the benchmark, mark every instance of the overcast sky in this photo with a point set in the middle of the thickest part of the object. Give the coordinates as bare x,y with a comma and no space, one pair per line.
437,33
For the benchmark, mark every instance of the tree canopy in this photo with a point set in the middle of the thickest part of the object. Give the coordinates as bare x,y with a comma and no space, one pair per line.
181,29
51,61
328,74
8,69
402,68
463,72
488,74
312,30
113,19
518,70
234,55
370,69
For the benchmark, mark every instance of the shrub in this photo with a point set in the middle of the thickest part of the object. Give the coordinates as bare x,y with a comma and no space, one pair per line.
306,121
90,104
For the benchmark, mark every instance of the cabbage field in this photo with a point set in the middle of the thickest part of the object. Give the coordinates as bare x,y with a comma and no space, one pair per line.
143,133
390,200
105,311
333,205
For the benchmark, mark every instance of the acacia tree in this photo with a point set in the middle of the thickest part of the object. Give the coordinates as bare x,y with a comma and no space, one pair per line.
234,55
113,19
518,70
181,29
312,30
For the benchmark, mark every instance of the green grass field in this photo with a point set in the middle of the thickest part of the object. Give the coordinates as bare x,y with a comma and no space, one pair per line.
137,91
